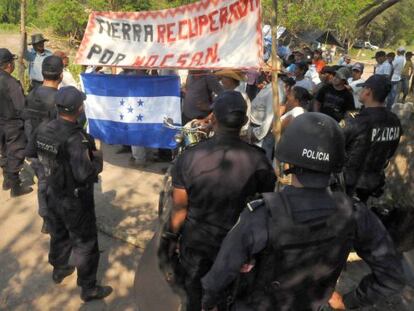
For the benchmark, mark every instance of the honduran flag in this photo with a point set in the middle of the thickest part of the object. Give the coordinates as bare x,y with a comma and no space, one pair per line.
130,110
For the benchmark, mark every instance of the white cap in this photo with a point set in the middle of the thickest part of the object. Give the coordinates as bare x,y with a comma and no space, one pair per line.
401,49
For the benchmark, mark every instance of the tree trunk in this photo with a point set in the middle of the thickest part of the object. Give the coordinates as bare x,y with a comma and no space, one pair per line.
22,38
366,19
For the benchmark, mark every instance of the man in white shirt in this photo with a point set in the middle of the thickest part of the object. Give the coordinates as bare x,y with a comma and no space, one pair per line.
68,79
354,81
383,67
398,65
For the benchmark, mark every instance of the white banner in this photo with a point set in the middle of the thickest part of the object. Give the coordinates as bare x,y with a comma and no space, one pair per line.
210,34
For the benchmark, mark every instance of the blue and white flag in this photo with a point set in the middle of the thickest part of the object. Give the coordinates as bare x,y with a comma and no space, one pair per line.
130,110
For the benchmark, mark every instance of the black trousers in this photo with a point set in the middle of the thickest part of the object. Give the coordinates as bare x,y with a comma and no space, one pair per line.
74,235
13,142
41,186
196,265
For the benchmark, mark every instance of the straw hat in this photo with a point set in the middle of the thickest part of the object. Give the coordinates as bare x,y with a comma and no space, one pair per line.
233,74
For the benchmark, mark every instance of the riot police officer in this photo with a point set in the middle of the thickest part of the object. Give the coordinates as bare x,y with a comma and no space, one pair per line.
298,240
12,136
71,164
372,137
212,182
40,108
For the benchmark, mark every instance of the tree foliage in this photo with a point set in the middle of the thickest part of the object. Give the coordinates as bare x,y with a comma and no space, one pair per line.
347,17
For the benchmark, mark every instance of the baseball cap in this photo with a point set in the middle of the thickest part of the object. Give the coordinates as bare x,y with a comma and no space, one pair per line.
302,65
69,99
380,54
343,73
379,84
401,49
358,66
6,56
52,65
227,103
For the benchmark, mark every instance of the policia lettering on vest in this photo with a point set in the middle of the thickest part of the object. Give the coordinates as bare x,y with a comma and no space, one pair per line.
372,137
298,240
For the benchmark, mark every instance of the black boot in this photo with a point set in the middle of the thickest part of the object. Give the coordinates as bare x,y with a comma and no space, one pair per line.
60,273
45,227
18,190
96,292
6,184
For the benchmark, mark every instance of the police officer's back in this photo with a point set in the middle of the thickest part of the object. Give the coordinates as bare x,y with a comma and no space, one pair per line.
299,239
12,137
41,108
72,164
212,182
372,137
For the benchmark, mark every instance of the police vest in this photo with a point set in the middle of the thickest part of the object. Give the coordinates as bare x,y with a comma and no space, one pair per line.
39,108
51,151
302,261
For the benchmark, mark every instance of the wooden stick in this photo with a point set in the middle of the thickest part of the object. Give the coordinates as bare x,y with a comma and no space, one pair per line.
22,40
275,75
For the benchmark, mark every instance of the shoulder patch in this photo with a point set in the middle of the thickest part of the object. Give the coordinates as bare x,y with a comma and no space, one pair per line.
253,205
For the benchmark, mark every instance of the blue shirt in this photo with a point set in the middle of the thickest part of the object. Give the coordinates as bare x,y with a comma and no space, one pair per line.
35,63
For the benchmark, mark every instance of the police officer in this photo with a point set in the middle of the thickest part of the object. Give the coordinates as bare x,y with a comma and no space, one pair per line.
372,137
12,137
41,107
298,240
211,183
71,164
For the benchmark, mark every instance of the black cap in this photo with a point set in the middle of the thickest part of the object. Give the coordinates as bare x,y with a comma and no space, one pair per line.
227,103
6,56
328,69
379,84
69,99
380,54
52,65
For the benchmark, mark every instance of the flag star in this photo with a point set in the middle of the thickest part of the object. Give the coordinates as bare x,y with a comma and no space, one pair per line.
130,109
140,118
122,102
140,103
121,116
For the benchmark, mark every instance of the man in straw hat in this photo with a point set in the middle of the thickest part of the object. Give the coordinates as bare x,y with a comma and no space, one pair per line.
35,57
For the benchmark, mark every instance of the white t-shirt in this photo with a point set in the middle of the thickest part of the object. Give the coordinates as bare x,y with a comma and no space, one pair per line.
68,79
398,64
356,90
295,112
313,75
306,84
384,69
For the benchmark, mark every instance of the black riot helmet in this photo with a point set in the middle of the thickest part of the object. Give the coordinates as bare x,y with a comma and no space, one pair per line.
313,141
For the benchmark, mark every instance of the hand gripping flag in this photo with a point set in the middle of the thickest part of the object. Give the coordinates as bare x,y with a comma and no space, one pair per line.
130,110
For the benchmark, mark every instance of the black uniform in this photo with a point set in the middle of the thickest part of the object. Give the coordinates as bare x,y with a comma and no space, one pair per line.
219,175
12,136
372,137
40,108
65,151
300,241
335,103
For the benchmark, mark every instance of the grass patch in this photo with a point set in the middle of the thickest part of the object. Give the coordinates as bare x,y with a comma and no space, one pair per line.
9,28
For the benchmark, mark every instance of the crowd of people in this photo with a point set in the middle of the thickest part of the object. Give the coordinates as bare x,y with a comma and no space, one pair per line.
338,136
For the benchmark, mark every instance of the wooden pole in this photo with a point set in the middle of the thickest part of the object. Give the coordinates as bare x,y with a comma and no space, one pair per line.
22,38
275,71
